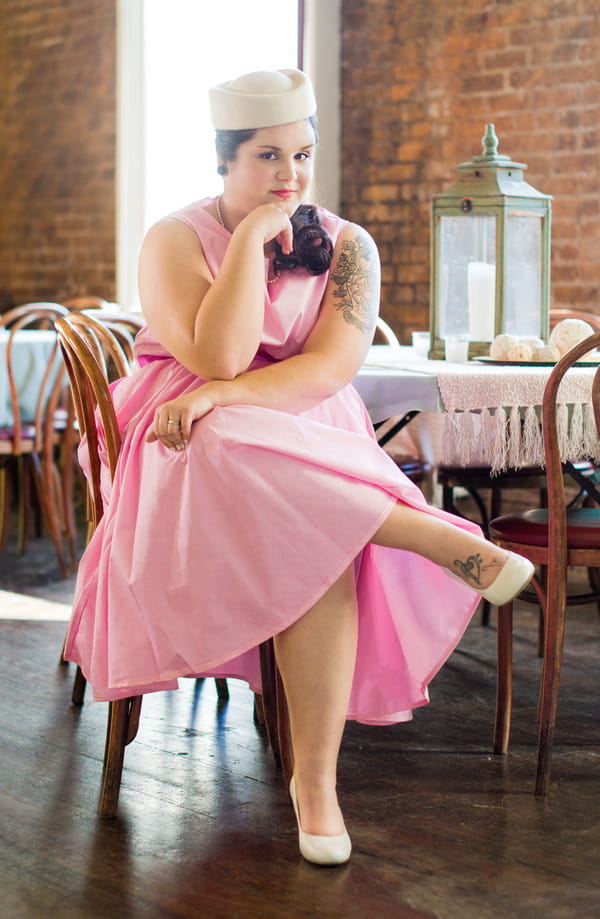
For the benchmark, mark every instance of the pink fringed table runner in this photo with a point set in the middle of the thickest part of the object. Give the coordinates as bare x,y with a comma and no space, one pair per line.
492,414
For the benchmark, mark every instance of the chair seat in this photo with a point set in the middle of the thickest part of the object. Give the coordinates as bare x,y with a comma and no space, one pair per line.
531,527
27,432
481,475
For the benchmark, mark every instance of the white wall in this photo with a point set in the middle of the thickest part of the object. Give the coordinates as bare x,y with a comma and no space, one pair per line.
322,61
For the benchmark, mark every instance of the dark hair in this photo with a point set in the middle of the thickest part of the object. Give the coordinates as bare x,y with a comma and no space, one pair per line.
312,248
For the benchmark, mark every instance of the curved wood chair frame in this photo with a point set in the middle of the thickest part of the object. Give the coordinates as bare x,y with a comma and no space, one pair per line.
85,302
556,548
52,428
86,342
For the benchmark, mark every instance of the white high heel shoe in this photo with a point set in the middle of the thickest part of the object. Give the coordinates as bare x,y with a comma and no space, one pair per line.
513,577
320,850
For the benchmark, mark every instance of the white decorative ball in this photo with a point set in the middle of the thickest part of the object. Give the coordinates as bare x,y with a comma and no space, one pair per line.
519,352
533,342
546,353
500,346
568,333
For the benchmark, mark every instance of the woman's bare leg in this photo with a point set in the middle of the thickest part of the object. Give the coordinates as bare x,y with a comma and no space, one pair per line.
317,693
316,657
472,558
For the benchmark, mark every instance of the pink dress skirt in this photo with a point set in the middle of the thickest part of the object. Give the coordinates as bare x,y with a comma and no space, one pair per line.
205,553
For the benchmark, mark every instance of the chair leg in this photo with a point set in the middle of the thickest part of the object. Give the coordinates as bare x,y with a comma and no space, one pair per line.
78,691
594,582
51,499
222,689
123,719
504,679
541,617
23,503
275,711
548,708
269,696
259,711
286,751
4,504
68,462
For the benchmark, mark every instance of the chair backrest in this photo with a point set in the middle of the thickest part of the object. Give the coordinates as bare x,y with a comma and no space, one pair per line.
51,384
87,302
557,502
385,331
93,355
124,326
52,310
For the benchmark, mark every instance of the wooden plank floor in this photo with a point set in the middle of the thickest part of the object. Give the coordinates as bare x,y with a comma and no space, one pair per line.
441,827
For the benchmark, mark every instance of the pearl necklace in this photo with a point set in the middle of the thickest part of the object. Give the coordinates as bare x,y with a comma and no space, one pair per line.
222,222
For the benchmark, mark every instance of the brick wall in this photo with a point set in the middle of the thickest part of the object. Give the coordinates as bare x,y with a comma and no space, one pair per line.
57,169
420,81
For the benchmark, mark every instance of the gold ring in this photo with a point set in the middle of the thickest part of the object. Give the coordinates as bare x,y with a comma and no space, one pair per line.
174,421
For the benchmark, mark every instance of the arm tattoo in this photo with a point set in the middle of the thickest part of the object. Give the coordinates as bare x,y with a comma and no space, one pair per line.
354,276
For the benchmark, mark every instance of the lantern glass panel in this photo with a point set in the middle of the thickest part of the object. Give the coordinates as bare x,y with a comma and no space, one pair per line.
467,276
523,282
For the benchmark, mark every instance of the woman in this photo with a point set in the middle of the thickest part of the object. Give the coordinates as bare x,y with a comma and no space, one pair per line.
251,498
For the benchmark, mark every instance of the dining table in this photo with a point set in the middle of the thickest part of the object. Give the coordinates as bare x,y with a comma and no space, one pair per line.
481,412
31,350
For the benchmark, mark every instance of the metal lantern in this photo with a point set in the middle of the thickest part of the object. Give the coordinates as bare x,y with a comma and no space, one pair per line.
490,264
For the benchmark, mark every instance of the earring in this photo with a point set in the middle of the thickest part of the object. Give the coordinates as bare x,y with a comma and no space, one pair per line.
222,170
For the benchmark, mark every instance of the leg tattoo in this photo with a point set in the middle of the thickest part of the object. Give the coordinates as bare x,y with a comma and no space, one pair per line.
472,569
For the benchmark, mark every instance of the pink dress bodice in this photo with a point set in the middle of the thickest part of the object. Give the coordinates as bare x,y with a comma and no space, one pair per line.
291,303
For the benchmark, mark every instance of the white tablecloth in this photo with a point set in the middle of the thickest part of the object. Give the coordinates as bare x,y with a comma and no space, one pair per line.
491,413
30,352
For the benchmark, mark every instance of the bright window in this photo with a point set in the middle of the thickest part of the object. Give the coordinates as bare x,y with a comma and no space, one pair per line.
169,53
190,45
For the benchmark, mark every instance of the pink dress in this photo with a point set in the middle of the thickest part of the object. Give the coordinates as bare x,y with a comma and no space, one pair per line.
203,554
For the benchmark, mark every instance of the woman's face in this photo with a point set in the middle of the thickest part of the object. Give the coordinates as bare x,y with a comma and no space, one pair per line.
275,167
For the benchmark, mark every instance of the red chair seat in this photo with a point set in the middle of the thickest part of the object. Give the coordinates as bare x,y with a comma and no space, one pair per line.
531,527
27,432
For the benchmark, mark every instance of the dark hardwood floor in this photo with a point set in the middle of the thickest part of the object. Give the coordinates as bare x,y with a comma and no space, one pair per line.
440,826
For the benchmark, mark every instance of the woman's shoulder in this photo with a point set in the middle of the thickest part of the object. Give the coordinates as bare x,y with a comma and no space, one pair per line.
332,223
195,215
342,230
338,226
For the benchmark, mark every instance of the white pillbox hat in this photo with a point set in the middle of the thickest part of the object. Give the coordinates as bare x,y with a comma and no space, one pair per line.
262,99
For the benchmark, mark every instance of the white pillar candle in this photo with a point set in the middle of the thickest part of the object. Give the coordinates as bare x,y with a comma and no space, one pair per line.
481,287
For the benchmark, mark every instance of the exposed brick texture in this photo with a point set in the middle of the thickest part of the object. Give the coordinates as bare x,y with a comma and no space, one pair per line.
57,169
420,81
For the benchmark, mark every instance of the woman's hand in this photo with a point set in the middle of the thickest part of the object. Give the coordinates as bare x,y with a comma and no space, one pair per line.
173,420
274,224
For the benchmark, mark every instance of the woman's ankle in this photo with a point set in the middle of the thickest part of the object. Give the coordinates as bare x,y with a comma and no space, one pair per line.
480,569
320,813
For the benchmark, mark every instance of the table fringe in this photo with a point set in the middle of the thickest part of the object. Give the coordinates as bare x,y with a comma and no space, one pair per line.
509,438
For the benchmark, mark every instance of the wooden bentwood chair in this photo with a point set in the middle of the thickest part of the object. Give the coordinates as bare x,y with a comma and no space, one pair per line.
89,348
556,538
486,491
41,444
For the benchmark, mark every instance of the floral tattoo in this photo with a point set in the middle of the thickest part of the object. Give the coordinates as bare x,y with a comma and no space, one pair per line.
353,276
472,569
